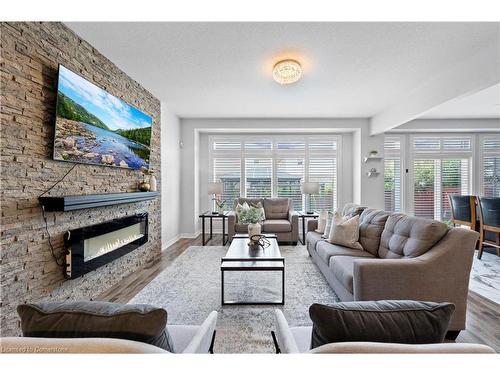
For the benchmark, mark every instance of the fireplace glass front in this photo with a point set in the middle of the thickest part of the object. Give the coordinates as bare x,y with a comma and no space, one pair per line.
91,247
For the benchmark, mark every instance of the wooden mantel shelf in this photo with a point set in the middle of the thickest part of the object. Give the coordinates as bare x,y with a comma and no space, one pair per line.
80,202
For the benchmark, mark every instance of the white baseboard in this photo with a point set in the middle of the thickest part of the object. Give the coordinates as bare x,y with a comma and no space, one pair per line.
171,242
190,235
178,237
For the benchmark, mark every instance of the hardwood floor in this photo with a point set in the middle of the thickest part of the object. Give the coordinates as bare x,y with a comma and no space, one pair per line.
483,316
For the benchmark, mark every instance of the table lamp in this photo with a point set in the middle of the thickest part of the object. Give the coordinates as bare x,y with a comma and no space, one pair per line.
214,188
309,188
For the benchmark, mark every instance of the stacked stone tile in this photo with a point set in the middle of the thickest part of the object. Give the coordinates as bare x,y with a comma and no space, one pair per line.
30,54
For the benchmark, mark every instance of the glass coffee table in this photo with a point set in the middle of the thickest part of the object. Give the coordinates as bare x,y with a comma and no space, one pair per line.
240,258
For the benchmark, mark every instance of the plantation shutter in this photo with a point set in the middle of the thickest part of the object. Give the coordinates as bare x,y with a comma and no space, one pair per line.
454,180
491,167
258,175
441,168
289,174
425,179
392,174
228,171
324,171
392,184
260,166
434,181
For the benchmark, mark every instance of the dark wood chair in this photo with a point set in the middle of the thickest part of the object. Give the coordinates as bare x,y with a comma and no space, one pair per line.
463,210
489,221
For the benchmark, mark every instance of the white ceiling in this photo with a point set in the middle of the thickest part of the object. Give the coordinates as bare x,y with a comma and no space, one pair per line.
482,104
224,69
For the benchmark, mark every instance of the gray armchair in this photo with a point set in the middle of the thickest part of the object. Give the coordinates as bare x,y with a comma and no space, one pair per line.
281,219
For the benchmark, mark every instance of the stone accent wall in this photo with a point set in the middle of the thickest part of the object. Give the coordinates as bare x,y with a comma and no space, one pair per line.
30,54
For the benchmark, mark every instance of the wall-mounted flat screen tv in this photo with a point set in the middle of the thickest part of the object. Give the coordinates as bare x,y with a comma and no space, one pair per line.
95,127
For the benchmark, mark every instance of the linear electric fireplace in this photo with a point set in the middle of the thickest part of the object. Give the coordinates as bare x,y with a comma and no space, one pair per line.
91,247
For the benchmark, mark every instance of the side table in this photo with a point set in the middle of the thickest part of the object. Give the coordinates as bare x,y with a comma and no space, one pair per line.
303,216
211,216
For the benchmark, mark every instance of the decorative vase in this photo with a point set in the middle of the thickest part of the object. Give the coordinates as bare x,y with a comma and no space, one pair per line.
144,186
254,229
152,183
221,210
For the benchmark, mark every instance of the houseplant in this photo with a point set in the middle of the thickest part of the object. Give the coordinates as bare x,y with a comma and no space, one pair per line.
252,216
220,205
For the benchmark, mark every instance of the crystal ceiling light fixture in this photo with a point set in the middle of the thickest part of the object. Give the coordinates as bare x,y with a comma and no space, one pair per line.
287,71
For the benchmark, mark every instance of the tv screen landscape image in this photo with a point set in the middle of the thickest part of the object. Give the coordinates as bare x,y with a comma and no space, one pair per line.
95,127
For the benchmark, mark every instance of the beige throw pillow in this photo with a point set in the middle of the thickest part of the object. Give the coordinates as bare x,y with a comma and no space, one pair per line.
345,231
323,217
328,225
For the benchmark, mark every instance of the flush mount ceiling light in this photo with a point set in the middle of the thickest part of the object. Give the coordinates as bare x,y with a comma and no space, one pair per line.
287,71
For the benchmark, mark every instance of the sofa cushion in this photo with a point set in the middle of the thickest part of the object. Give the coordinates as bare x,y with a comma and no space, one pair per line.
312,238
409,237
328,250
241,228
144,323
277,226
343,270
276,208
372,222
352,209
250,201
403,322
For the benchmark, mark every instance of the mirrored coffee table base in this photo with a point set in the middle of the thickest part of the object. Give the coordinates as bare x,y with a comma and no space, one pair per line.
240,258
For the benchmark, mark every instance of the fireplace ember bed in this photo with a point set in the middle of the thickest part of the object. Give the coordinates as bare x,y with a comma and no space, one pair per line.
94,246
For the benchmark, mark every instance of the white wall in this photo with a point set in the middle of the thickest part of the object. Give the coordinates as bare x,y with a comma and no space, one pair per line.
194,159
170,172
449,125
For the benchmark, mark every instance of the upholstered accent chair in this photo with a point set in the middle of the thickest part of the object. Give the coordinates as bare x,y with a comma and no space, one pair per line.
489,218
463,210
186,339
295,340
280,218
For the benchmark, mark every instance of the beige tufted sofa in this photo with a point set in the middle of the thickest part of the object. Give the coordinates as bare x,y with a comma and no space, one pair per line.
404,257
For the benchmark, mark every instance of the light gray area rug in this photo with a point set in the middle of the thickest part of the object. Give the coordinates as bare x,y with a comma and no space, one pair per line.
190,288
485,277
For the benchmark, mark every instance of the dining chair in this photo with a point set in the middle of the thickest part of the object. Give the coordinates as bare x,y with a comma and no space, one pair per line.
489,221
463,210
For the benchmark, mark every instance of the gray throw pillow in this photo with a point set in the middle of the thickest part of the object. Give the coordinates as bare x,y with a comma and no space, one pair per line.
403,322
81,319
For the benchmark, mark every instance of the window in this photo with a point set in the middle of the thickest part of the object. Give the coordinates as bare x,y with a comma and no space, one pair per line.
491,167
227,171
441,167
275,166
290,173
392,174
258,177
435,180
324,171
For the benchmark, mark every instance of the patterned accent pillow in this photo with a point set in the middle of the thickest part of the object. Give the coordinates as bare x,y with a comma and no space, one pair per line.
259,206
240,208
